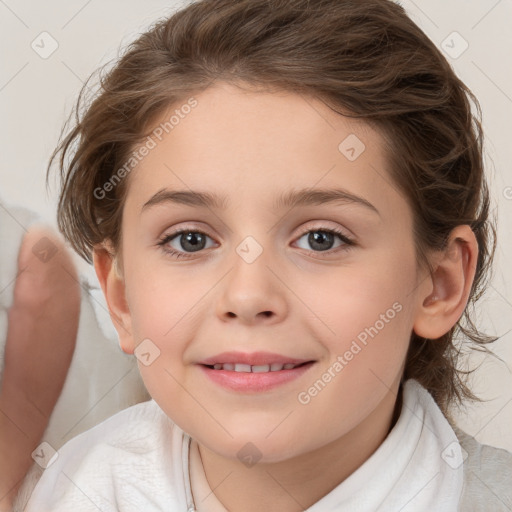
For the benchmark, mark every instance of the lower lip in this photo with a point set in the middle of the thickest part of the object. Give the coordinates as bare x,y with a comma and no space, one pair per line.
254,382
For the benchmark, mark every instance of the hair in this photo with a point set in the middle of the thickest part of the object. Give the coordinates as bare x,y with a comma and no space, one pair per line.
365,60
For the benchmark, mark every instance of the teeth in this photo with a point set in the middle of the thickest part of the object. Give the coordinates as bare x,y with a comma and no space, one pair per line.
261,368
247,368
242,368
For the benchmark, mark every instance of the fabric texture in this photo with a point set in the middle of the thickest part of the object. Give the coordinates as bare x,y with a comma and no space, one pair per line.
139,460
487,476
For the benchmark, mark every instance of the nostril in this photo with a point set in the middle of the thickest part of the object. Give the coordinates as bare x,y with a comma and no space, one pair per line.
265,313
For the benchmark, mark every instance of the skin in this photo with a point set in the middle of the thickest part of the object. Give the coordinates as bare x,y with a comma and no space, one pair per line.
293,299
41,337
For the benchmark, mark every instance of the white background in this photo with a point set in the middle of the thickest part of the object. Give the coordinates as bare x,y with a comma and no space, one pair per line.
36,96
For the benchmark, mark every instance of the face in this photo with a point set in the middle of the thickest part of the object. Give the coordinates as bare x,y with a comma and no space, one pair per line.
277,314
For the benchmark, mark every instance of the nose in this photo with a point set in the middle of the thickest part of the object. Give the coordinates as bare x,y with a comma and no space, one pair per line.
252,294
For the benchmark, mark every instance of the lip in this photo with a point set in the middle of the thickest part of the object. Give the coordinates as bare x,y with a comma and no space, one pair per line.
249,382
253,358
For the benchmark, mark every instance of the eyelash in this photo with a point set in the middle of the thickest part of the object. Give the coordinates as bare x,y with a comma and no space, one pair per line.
348,243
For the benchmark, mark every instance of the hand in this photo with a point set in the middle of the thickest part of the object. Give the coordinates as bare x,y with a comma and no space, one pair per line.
42,329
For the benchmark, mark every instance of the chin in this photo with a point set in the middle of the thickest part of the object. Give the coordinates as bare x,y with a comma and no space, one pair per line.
251,449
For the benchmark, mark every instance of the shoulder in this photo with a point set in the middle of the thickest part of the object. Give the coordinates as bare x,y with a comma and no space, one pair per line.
123,459
137,429
487,476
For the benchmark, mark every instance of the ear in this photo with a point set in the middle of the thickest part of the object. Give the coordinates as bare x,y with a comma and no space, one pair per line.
447,289
113,286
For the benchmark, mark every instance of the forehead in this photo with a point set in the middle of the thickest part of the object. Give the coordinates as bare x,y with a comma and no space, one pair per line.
245,145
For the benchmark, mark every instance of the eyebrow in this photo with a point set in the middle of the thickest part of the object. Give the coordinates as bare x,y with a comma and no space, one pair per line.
290,199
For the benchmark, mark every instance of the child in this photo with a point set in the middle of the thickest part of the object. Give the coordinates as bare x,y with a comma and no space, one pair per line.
226,146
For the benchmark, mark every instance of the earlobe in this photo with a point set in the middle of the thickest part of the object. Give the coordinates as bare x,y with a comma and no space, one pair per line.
447,293
113,287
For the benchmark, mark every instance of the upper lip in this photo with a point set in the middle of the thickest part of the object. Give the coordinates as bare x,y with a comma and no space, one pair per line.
253,358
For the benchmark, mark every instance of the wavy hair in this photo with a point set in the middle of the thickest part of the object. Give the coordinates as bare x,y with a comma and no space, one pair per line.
362,59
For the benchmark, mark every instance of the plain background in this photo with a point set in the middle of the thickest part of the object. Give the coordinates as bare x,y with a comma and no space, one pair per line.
37,94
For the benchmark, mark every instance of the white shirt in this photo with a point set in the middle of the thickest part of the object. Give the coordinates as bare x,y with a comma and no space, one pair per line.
138,460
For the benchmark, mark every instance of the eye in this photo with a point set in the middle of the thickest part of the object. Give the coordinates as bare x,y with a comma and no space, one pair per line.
322,239
188,240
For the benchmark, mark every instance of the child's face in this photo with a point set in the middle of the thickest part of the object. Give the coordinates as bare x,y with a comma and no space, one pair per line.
351,304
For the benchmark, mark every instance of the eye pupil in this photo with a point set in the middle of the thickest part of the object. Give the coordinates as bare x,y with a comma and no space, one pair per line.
317,237
319,240
196,241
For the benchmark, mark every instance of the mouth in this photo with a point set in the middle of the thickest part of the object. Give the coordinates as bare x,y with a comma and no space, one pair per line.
257,368
255,372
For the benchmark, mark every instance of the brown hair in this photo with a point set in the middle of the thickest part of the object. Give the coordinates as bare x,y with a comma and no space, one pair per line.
363,59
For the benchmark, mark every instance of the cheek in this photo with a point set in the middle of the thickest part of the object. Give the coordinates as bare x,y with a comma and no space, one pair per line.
165,308
349,300
162,301
371,317
367,320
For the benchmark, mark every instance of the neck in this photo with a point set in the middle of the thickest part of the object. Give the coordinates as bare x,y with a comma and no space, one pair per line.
295,484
